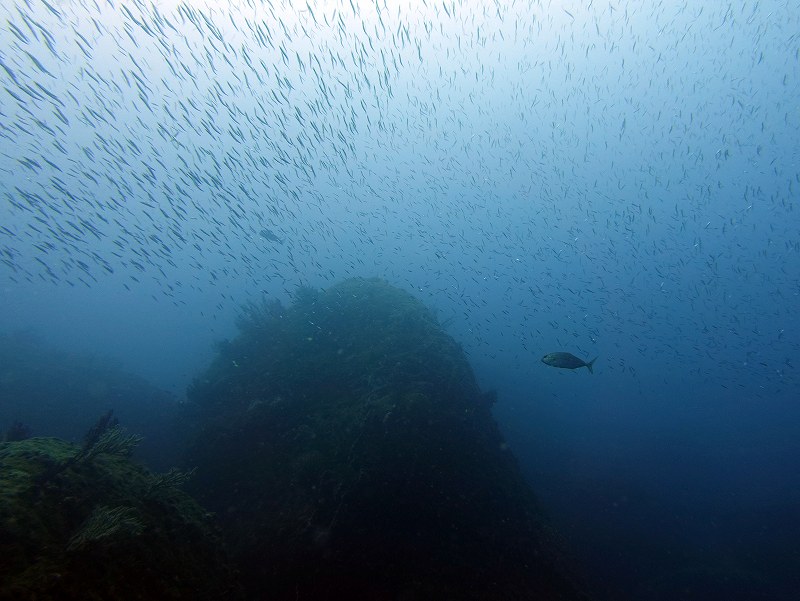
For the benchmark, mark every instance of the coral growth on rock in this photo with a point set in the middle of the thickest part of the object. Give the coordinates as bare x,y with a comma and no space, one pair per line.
87,523
349,453
55,393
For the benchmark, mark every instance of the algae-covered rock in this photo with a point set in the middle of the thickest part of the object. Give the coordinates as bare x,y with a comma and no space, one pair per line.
87,523
56,393
349,453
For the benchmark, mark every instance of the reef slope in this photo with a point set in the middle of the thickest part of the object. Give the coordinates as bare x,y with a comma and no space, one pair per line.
349,453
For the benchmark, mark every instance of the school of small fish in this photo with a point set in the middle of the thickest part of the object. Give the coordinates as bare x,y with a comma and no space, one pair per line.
581,175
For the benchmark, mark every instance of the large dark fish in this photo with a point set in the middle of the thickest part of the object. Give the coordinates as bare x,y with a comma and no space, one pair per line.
567,361
269,235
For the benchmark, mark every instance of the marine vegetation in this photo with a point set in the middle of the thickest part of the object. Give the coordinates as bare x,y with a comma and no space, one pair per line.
55,393
348,452
84,522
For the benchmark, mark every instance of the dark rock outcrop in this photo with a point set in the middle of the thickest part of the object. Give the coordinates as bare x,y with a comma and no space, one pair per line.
349,453
86,523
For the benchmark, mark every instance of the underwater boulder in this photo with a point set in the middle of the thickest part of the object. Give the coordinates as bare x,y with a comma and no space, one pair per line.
348,452
84,522
57,393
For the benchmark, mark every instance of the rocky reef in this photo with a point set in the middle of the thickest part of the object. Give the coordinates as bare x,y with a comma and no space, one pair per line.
59,394
348,452
84,522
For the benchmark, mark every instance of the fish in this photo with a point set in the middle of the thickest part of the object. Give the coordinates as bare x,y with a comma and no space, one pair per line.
269,235
567,361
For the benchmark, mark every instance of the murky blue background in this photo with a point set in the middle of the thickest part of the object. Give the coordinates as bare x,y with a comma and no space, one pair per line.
601,178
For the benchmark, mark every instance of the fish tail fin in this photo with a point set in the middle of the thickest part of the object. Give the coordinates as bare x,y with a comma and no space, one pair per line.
589,365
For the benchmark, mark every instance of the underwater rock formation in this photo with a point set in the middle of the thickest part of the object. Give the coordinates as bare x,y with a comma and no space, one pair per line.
57,394
349,453
87,523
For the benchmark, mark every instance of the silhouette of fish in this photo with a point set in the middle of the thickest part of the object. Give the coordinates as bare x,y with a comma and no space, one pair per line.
567,361
269,235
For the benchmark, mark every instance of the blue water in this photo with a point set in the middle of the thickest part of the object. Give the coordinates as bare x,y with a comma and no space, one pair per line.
602,178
